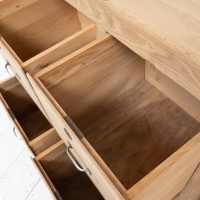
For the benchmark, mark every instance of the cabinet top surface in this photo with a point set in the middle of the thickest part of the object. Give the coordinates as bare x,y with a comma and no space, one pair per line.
175,23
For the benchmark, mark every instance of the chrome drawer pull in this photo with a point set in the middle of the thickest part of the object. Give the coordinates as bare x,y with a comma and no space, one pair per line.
14,131
73,160
10,72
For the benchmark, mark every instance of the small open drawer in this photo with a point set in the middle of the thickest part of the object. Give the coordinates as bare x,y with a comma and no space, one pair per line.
32,125
38,33
63,179
141,127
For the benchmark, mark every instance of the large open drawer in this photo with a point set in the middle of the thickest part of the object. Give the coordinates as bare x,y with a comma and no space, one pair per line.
27,118
37,33
138,125
62,178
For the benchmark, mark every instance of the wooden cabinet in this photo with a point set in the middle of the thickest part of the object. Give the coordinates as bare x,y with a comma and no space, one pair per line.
106,117
64,180
27,46
126,116
27,118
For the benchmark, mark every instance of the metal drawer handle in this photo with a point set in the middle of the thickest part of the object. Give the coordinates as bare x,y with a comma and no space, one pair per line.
10,72
14,131
74,161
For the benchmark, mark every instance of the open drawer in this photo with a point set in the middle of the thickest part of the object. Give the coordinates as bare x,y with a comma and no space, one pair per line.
32,125
62,178
37,33
139,126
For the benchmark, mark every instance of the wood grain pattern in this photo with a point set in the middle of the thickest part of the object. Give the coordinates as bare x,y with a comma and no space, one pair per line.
70,183
16,68
28,115
136,131
110,101
185,160
44,141
60,50
176,93
146,29
46,179
26,34
191,190
98,177
32,125
8,7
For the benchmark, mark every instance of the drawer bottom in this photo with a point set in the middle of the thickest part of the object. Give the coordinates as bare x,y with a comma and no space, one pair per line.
62,177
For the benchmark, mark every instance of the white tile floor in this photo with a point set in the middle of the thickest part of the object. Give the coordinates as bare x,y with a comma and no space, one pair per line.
19,180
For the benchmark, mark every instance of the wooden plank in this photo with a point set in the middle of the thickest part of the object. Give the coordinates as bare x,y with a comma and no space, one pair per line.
44,141
98,177
26,35
174,53
171,176
65,176
84,21
45,178
102,164
98,46
14,121
173,91
15,66
8,7
191,190
60,50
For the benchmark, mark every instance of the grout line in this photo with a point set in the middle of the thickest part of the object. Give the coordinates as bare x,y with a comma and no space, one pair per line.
12,162
33,188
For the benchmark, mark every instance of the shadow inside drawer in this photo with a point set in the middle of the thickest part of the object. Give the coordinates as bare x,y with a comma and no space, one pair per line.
125,110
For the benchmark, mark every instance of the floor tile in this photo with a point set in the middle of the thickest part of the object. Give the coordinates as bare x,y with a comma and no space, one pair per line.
10,148
40,192
19,179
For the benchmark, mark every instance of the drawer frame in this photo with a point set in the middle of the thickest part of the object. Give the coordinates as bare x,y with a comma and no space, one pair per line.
144,189
97,175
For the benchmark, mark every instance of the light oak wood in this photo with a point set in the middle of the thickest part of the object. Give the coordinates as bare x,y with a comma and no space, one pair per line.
44,141
61,49
26,116
191,190
109,99
25,33
176,93
9,7
171,176
147,30
84,21
27,46
31,44
97,175
69,183
16,68
46,180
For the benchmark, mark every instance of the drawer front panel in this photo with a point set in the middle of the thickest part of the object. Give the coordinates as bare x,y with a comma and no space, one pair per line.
19,73
57,166
29,123
95,173
110,97
45,178
17,131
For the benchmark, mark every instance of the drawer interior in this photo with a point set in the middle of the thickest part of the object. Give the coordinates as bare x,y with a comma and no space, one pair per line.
68,181
27,116
31,27
132,123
